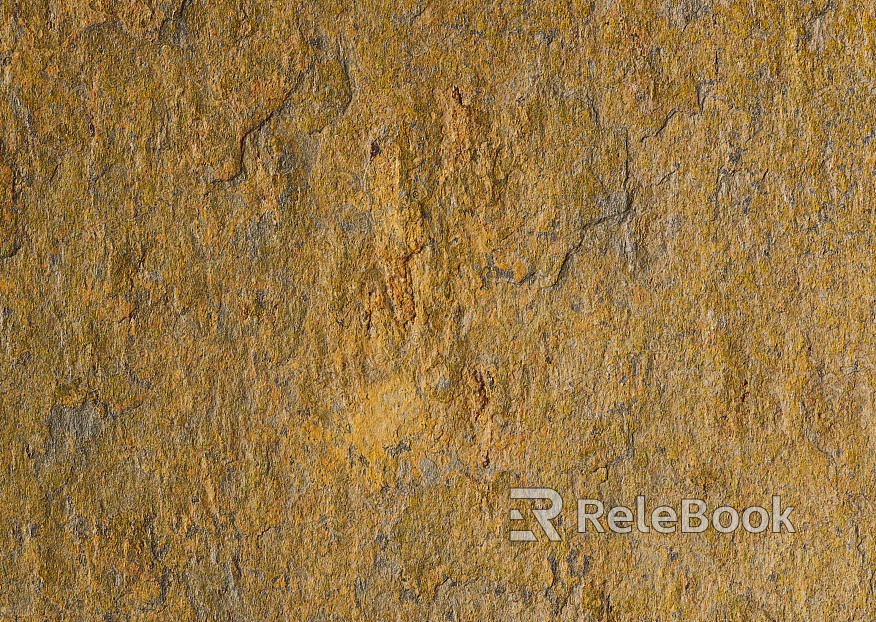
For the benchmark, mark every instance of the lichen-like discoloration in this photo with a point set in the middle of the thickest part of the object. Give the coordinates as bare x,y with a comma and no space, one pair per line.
291,294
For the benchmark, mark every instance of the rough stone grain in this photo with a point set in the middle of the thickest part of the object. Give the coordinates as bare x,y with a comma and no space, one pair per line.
291,294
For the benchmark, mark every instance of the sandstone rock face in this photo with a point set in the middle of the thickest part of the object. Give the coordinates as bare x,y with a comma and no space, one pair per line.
293,294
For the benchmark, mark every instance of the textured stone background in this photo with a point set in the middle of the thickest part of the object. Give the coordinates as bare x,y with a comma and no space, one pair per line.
291,294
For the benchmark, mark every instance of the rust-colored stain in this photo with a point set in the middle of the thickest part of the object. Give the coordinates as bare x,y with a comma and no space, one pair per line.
293,294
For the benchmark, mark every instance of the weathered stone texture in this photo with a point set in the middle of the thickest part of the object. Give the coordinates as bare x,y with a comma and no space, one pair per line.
291,294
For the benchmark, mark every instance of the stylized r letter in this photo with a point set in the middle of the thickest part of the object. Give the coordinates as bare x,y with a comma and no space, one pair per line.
544,517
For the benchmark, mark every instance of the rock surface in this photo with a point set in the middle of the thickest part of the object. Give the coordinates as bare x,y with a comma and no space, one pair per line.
292,294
